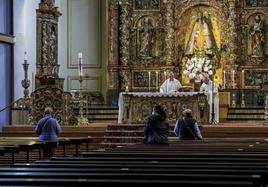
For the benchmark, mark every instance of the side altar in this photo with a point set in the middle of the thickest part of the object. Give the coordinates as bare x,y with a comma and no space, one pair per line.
135,107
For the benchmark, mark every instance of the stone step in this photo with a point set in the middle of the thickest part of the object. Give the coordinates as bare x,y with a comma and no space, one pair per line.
232,111
102,116
101,111
246,116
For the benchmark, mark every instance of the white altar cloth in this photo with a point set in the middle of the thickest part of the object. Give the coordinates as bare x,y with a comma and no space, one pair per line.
148,94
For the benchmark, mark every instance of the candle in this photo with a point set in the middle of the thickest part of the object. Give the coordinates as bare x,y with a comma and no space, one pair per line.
233,78
25,57
156,81
80,64
243,79
126,89
149,80
224,79
165,74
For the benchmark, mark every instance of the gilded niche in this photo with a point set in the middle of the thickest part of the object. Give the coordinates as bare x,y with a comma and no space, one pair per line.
146,38
199,39
256,36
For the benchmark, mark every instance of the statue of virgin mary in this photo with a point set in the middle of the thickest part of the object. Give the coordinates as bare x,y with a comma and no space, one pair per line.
201,41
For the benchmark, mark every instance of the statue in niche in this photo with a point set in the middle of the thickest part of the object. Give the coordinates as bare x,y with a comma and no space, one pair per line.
52,45
146,38
202,41
257,40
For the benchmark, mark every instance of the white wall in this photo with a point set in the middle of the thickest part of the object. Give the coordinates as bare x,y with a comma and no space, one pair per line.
80,31
85,36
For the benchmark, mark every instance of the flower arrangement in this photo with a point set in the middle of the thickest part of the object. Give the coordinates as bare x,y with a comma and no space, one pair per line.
196,65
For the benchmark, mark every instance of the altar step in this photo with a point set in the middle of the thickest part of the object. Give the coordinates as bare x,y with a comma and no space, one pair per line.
123,135
101,113
246,114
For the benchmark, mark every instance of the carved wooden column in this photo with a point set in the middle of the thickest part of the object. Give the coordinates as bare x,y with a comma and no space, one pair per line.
232,31
47,43
169,30
124,37
113,33
113,53
124,32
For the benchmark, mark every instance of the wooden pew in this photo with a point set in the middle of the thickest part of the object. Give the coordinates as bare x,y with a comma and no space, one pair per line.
212,164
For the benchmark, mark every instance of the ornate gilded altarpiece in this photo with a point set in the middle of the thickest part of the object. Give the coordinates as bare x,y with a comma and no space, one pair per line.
186,36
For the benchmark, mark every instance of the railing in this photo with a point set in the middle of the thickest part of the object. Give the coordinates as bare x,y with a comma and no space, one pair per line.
23,103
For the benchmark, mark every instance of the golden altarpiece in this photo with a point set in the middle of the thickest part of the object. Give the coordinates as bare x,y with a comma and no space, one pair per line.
224,38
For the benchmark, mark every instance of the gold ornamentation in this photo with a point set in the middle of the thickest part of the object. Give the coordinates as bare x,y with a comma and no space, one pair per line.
124,32
137,108
169,28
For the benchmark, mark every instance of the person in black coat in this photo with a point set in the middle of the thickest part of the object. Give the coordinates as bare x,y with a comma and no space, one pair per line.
156,128
187,128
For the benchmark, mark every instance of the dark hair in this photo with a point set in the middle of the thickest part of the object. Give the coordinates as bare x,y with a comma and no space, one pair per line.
161,111
187,113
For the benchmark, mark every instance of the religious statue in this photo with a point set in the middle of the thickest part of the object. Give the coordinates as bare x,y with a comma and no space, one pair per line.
146,38
52,45
257,41
200,49
202,41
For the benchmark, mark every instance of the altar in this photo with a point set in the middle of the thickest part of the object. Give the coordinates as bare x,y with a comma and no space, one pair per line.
135,107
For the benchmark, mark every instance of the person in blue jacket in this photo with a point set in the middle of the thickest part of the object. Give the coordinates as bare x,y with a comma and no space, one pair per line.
48,130
187,128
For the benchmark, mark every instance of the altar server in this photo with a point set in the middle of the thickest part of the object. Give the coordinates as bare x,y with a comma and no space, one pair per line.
171,84
207,88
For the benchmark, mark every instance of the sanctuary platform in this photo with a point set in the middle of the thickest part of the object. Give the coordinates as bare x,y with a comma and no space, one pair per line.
113,134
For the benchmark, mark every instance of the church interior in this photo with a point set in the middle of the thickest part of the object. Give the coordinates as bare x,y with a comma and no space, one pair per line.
102,66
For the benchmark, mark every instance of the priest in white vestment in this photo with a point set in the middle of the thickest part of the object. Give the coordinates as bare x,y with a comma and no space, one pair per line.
206,87
170,85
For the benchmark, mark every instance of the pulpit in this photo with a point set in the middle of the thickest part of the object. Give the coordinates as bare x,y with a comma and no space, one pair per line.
135,107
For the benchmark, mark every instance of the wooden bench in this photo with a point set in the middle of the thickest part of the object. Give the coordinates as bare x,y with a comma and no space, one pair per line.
203,164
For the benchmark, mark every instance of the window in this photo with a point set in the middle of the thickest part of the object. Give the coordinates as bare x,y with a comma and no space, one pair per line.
6,17
6,51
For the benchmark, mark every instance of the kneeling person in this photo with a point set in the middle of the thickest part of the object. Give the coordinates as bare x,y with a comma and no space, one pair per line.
156,128
187,128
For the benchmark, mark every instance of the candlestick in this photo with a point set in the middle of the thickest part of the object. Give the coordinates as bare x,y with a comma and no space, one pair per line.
233,78
80,64
26,82
32,81
243,79
156,81
149,80
224,79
